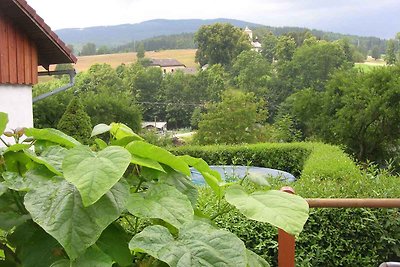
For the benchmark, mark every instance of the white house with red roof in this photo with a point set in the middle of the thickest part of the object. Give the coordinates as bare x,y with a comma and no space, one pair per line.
26,42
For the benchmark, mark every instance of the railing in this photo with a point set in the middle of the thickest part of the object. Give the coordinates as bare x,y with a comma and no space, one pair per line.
287,242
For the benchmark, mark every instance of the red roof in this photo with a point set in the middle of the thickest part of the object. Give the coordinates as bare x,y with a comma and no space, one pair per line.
51,50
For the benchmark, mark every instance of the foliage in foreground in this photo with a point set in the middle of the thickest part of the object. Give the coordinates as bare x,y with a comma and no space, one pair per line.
63,204
331,237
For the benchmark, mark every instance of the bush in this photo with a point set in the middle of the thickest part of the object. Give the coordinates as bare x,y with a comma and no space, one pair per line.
301,159
75,121
331,237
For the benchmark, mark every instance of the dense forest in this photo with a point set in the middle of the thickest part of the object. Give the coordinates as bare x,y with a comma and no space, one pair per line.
186,41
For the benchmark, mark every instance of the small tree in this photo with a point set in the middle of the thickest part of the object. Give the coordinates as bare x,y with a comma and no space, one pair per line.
375,54
390,56
88,49
232,121
75,121
140,52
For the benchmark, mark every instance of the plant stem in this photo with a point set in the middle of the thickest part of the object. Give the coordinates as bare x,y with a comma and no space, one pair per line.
136,224
18,202
138,186
8,252
129,222
224,210
4,142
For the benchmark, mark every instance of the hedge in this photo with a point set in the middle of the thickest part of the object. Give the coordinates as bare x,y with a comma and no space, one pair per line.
331,237
311,160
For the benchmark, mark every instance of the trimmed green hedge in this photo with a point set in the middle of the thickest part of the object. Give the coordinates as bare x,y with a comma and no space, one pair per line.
331,237
311,160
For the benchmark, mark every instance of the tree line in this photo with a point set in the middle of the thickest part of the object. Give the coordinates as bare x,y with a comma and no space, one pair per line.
365,45
291,91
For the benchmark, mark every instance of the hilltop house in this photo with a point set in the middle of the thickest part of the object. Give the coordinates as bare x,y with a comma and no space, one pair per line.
167,65
256,45
26,42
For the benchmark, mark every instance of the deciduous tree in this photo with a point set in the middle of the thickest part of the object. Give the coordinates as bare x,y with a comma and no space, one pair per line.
232,121
220,43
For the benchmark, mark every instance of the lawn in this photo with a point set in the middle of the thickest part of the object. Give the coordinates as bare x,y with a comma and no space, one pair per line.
368,66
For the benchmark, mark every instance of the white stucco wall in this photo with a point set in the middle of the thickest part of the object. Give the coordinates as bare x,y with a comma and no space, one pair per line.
16,100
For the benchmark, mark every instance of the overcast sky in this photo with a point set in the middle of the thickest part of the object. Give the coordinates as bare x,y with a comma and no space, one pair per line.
364,17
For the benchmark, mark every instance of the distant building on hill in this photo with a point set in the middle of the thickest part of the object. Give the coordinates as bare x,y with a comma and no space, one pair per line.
160,126
167,65
256,45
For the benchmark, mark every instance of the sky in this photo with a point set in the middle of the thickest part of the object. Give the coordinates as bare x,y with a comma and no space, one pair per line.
362,17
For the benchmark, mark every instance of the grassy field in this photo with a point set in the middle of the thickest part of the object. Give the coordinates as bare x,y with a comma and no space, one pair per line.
370,64
367,67
186,56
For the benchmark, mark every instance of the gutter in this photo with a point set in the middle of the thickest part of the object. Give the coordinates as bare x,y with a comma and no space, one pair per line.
71,73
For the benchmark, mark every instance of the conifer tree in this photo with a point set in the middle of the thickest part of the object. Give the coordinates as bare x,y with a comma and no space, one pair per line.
75,121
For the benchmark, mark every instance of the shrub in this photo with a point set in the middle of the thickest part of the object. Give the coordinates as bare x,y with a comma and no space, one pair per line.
75,121
331,237
316,160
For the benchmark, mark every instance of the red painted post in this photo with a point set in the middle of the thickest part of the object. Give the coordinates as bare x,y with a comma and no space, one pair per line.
286,242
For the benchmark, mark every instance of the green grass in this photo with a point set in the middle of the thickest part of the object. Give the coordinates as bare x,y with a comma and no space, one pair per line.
367,67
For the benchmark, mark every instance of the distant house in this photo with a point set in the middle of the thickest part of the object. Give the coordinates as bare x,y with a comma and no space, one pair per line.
167,65
160,126
256,45
26,42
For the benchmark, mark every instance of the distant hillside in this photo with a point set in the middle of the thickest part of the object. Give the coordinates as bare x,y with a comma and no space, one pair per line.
162,34
122,34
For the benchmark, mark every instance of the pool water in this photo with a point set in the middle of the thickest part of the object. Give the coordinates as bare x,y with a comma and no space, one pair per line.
233,172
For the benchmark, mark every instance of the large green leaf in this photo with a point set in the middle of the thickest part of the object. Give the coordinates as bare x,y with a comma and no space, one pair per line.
17,162
93,257
3,189
114,242
35,247
94,173
253,260
10,219
149,163
17,147
3,122
180,182
57,208
286,211
52,135
202,166
212,177
198,244
164,202
100,129
32,179
52,157
146,150
120,131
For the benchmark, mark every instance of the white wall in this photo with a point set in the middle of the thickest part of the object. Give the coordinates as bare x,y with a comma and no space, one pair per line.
16,100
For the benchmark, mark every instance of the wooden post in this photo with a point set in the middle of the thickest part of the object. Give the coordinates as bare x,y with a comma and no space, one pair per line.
286,242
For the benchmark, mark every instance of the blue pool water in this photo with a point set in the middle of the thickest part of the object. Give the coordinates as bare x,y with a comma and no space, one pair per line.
232,172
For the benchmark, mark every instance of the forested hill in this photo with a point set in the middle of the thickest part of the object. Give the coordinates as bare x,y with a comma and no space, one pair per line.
122,34
178,34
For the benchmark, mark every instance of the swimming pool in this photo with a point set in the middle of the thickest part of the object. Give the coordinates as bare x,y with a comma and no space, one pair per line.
235,172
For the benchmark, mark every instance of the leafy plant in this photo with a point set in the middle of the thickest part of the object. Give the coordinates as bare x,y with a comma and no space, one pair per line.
66,204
